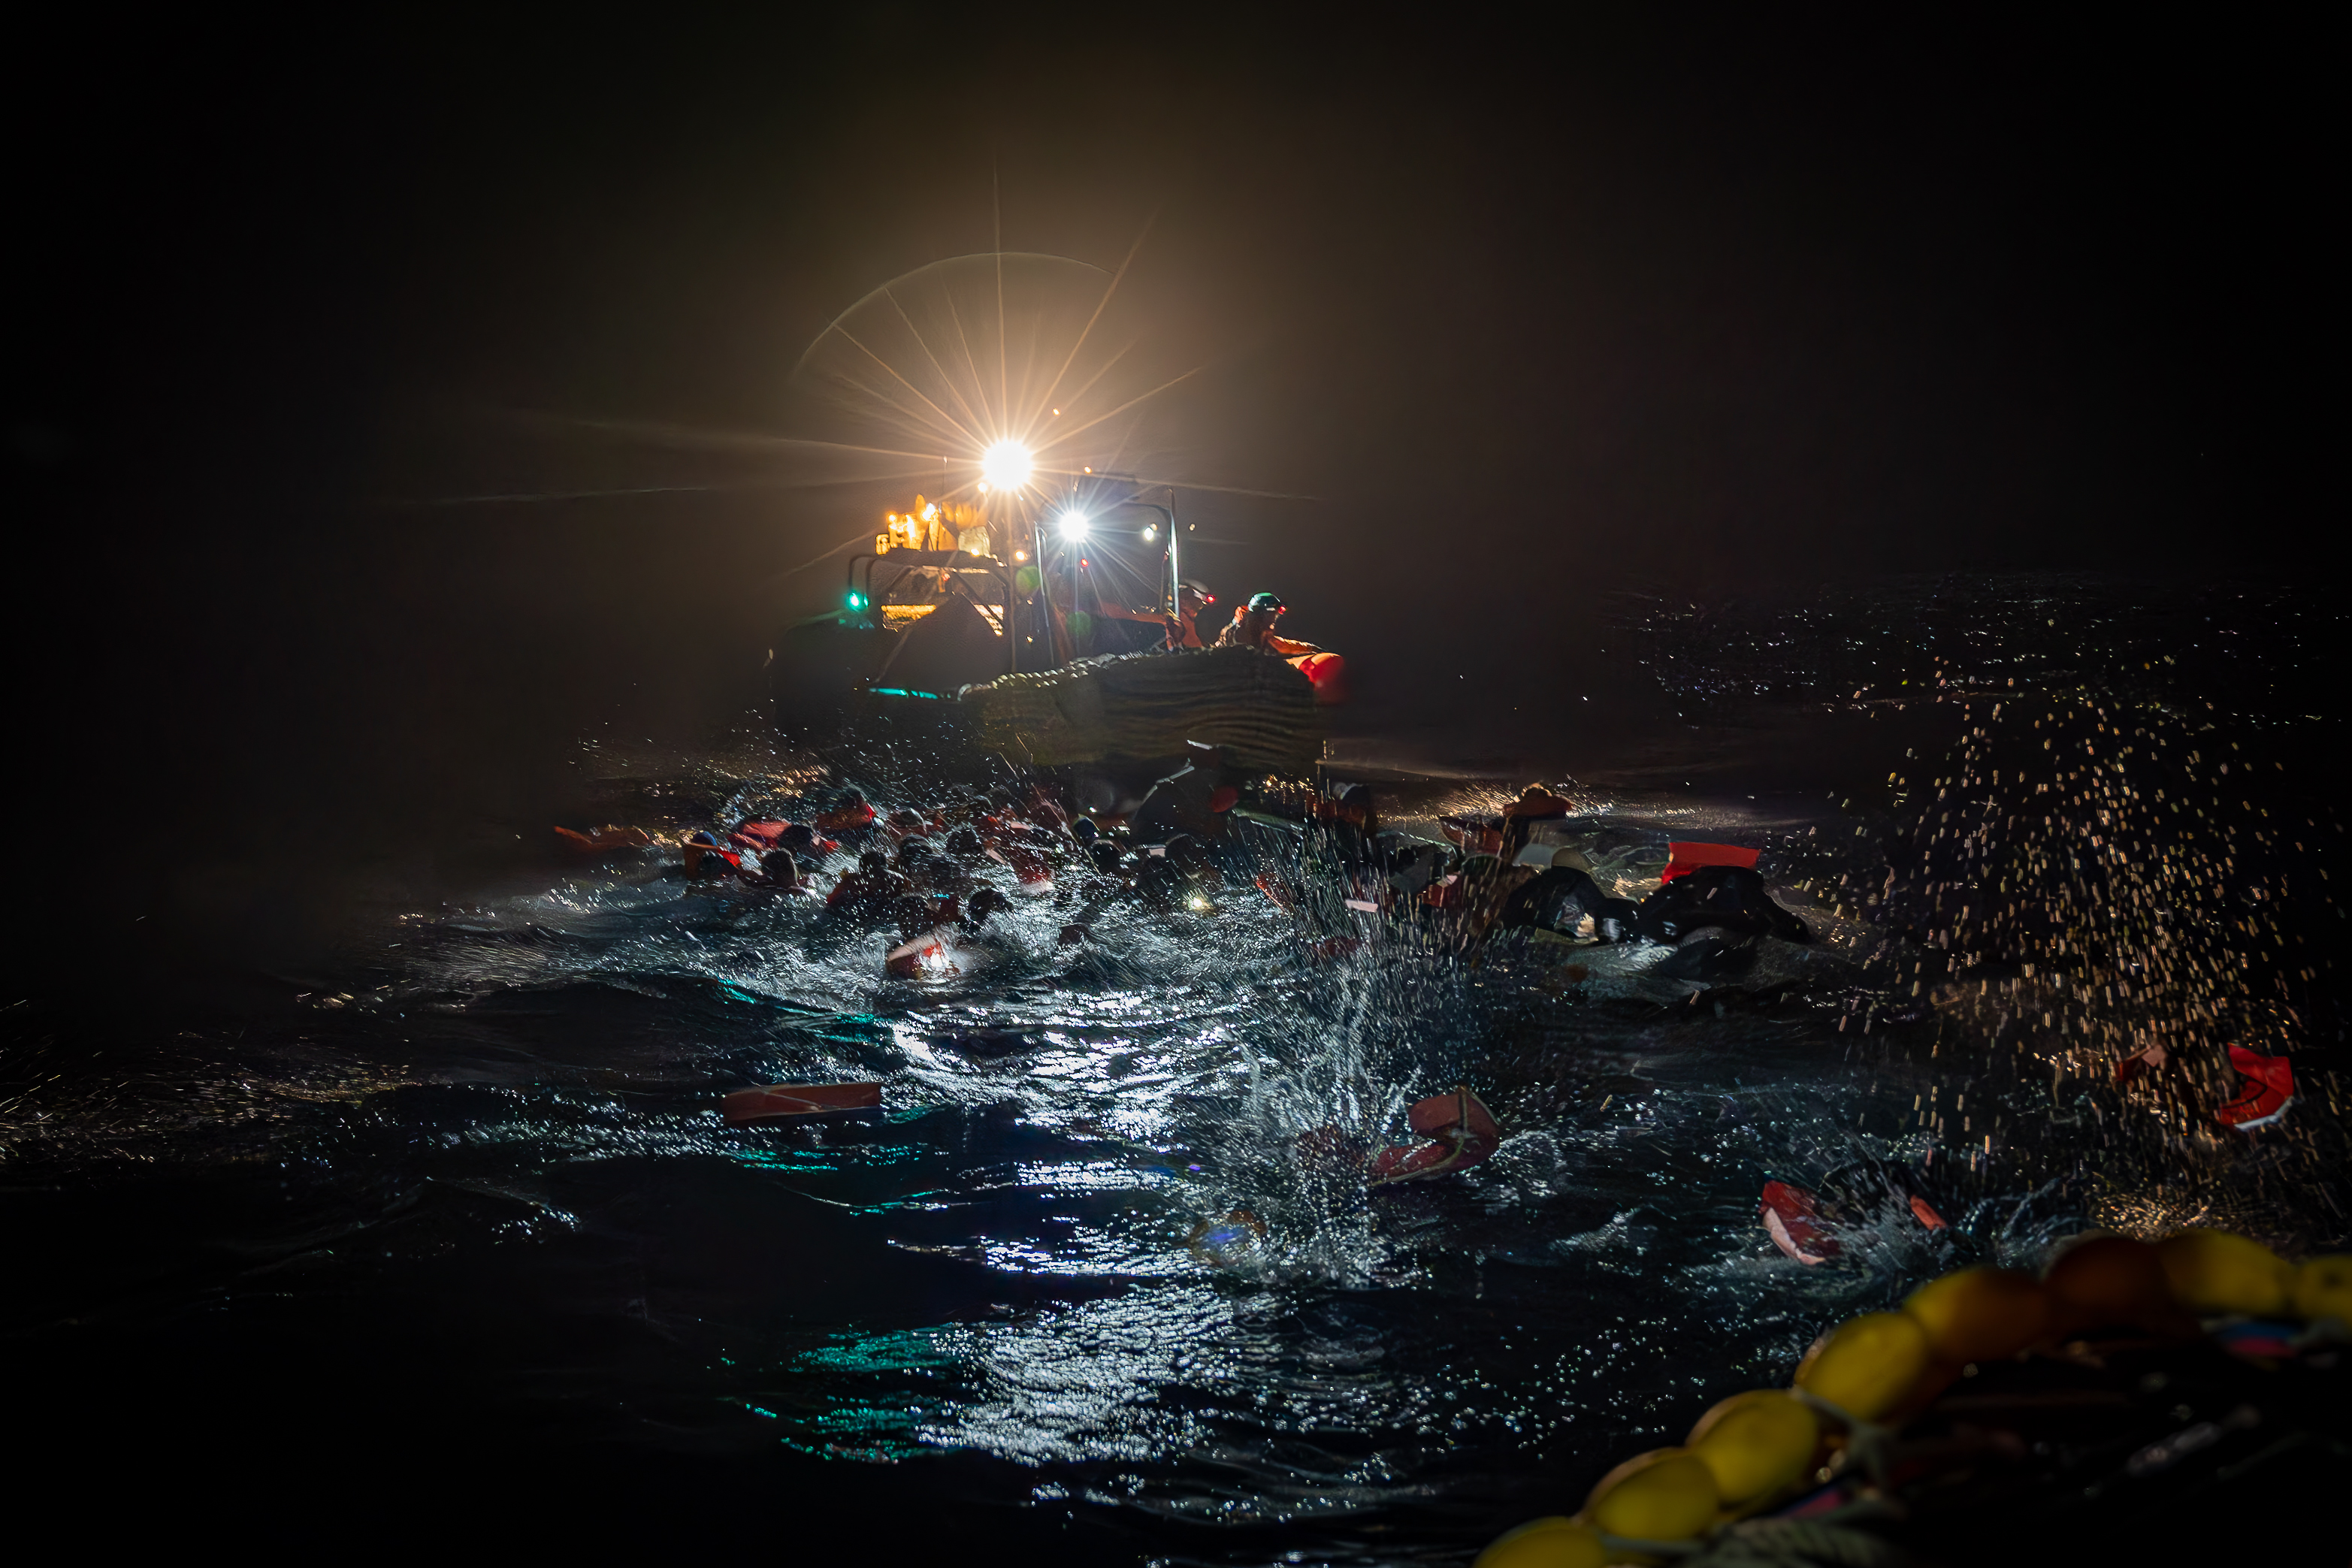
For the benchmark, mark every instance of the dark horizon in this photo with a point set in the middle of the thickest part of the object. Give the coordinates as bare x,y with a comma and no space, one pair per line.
1716,309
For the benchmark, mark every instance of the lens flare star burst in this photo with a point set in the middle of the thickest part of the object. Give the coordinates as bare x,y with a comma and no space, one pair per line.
1012,368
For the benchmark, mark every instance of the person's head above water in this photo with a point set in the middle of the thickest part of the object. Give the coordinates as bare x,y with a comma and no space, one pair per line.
1538,802
874,863
1192,593
1267,603
1186,851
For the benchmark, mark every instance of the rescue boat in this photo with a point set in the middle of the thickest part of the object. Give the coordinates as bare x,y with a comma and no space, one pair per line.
1037,629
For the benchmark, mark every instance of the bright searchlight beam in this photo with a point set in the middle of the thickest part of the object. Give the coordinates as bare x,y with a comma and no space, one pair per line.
1074,525
1007,465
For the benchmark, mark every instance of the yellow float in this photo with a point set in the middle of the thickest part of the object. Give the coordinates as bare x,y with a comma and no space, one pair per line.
1980,1314
2104,1279
1756,1445
1553,1543
1667,1494
1753,1448
2323,1287
1865,1366
2213,1273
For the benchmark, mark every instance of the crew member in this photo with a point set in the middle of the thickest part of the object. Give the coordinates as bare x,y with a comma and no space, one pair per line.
1182,629
1253,627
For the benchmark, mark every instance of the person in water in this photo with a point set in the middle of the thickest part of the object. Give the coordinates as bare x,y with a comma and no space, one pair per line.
866,893
851,816
1728,898
1534,804
1253,627
1351,829
1192,799
800,842
777,870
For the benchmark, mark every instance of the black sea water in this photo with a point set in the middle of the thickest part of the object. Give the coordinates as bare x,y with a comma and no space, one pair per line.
442,1235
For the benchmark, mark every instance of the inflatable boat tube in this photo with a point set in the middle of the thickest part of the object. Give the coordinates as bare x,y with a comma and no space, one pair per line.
1327,673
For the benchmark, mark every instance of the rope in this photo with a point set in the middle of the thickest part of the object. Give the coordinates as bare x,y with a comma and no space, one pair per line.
1866,1442
1824,1541
1796,1543
1621,1546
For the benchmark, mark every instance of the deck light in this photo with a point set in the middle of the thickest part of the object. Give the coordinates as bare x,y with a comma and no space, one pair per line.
1006,465
1074,525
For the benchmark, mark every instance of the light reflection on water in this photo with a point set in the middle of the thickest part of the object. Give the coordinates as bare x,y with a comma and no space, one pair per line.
1176,1063
1008,1259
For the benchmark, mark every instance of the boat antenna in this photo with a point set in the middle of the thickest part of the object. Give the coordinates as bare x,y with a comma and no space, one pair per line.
1175,571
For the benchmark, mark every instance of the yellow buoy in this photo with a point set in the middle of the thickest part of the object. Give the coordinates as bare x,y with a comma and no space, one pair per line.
1553,1543
1980,1314
2112,1280
2323,1287
1866,1365
1755,1443
2214,1271
1666,1494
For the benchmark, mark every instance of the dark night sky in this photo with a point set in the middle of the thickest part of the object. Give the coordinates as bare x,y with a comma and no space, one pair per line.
1711,301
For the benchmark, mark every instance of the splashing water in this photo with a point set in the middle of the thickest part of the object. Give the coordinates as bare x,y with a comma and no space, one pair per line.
1082,1239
